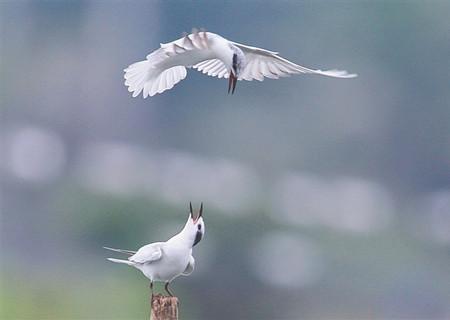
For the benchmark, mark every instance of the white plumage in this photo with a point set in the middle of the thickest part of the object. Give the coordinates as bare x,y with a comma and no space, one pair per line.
164,261
214,56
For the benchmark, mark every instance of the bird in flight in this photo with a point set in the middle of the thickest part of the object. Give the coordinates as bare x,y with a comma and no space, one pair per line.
164,261
215,56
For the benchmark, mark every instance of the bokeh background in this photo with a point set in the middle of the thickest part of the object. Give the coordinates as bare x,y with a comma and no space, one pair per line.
324,198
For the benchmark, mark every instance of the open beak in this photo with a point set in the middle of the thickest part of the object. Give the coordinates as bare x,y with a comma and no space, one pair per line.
232,80
191,212
200,213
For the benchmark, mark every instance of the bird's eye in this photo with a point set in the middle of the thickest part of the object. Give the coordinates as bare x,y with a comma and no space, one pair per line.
199,227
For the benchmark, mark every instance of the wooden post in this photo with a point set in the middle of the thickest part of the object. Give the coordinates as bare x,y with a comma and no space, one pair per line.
164,308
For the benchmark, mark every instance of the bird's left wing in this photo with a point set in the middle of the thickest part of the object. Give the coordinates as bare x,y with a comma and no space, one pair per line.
148,253
151,76
264,63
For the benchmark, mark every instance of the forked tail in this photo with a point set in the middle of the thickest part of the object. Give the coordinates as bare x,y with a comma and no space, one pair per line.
121,261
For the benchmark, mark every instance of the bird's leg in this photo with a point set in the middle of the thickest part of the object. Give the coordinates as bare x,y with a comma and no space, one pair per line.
167,289
151,287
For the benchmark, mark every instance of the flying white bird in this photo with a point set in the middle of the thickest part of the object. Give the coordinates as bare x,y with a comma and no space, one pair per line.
164,261
215,56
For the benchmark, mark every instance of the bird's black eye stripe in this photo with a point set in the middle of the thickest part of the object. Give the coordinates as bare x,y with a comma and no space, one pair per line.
234,61
199,227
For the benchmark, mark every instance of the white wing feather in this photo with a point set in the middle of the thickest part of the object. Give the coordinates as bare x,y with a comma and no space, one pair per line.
143,77
153,76
264,63
148,253
213,67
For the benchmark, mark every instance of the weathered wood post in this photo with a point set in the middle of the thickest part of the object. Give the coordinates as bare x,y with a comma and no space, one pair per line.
164,308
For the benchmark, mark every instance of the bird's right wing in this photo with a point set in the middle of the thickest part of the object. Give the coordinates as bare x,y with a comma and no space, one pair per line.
148,253
213,67
190,267
264,63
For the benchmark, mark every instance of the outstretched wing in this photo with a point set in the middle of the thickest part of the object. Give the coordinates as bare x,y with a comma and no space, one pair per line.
148,253
194,41
142,77
157,74
128,252
213,67
264,63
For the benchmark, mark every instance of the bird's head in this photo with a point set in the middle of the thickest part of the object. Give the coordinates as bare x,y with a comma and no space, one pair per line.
237,66
195,226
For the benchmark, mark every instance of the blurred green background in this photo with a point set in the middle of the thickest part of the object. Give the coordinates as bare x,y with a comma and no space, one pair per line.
324,198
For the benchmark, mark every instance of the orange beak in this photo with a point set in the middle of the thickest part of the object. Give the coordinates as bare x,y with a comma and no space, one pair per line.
232,80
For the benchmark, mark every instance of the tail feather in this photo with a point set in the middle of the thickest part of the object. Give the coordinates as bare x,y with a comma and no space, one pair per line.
129,252
143,77
121,261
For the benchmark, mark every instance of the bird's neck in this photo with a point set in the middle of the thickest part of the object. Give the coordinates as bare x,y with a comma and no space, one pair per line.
224,51
184,237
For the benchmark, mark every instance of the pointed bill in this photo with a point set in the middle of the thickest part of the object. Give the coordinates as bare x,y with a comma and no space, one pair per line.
191,212
232,80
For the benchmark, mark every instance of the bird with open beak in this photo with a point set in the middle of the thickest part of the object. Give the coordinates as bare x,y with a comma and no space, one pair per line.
214,56
165,261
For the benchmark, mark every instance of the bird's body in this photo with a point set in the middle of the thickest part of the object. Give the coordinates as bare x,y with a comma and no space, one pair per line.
202,46
174,260
164,261
213,55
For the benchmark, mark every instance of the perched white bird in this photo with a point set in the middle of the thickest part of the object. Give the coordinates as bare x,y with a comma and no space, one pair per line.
215,56
164,261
